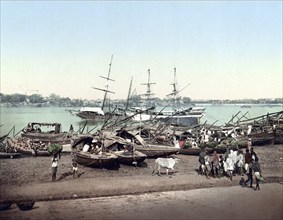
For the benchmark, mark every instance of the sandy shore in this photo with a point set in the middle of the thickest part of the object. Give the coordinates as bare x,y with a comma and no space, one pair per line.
29,177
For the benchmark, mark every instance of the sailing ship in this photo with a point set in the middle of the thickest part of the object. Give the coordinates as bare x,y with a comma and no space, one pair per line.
186,116
100,113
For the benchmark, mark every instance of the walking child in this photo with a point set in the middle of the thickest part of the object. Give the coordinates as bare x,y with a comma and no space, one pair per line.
54,166
75,168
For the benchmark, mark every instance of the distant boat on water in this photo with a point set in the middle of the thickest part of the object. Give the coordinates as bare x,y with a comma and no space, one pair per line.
246,106
100,113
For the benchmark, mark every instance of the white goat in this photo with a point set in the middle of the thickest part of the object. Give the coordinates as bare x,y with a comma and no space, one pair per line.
167,163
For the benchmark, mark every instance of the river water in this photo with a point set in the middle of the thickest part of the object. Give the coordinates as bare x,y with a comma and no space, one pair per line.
21,116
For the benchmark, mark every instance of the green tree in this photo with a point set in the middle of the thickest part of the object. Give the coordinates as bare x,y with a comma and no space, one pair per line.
187,100
16,98
35,98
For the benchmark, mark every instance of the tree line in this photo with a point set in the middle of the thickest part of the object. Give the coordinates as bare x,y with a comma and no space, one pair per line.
54,99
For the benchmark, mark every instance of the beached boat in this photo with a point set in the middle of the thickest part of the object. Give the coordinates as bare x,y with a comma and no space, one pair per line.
27,146
196,151
5,150
260,136
5,204
153,151
260,141
190,151
104,160
9,155
124,150
46,132
89,151
130,158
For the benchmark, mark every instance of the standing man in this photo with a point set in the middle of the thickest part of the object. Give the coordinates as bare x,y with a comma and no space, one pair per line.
54,165
75,168
248,167
201,161
257,172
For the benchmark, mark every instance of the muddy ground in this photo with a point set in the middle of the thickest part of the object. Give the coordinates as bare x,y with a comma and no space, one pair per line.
30,177
28,169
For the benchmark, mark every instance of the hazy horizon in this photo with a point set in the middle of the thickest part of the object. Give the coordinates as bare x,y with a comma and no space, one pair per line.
223,49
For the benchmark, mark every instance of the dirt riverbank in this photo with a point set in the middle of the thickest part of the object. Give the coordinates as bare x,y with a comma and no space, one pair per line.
21,177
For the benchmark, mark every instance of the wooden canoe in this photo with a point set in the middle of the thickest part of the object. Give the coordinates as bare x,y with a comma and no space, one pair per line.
128,158
105,160
154,151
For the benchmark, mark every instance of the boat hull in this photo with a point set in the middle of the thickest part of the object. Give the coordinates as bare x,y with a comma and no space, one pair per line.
128,158
20,150
109,161
153,151
93,116
9,155
61,138
196,151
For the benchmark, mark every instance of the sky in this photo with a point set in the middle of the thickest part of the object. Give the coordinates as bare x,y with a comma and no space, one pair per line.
222,49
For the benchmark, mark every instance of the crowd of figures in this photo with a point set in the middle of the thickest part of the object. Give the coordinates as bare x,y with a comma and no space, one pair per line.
232,163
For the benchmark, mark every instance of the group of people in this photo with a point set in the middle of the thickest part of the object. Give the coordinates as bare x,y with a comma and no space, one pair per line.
232,163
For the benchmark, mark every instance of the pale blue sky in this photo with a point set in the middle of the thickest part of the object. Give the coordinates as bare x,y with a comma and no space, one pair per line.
224,49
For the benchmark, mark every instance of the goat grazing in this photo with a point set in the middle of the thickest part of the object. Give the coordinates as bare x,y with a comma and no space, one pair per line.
167,163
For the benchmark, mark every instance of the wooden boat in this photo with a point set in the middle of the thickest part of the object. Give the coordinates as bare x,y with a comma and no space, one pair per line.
196,151
9,155
153,151
220,149
25,205
96,155
21,145
246,106
182,117
190,151
46,132
101,114
5,204
262,141
150,150
104,160
278,139
262,138
130,158
123,149
6,151
98,115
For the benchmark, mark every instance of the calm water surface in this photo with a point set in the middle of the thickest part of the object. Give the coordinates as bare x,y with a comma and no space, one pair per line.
21,116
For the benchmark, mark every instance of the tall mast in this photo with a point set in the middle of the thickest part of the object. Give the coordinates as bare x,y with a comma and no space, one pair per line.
148,84
129,94
175,92
106,87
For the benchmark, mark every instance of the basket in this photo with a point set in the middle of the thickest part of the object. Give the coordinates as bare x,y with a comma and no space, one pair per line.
25,205
5,204
55,148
